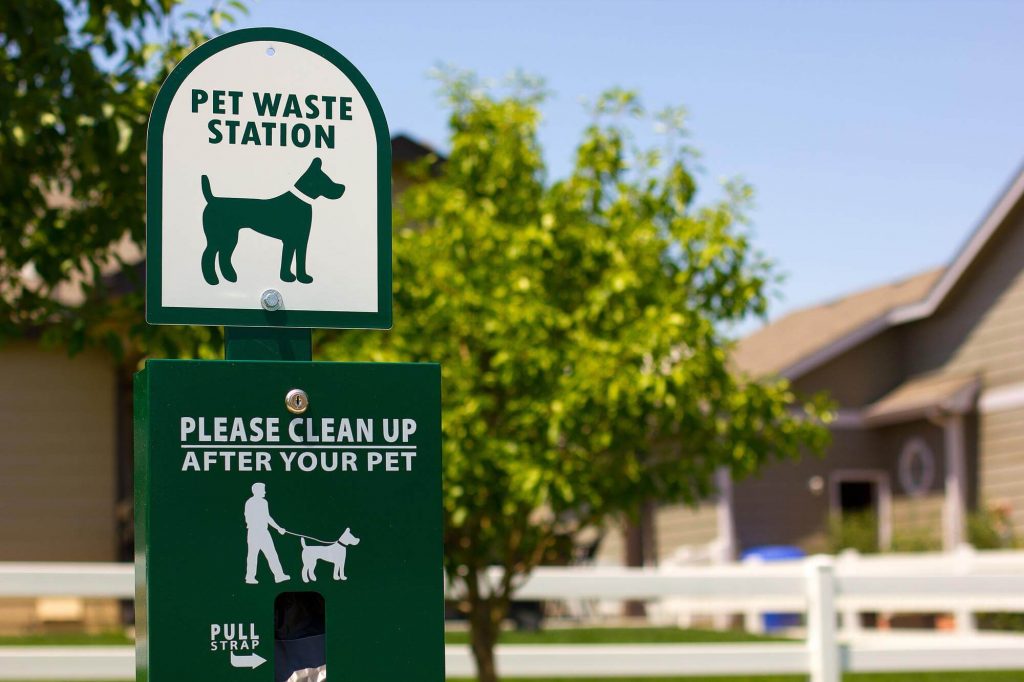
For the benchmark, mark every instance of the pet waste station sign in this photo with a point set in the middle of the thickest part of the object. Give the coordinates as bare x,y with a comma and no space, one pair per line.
288,511
269,189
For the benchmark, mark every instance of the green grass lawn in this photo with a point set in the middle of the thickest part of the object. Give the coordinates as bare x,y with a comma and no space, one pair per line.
105,639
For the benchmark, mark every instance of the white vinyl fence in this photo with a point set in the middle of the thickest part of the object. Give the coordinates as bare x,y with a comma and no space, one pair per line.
822,587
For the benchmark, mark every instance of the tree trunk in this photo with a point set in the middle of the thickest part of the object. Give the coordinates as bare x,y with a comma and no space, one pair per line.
641,550
634,559
484,625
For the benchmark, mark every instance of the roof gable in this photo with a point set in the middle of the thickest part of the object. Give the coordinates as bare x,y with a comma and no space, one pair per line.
805,339
968,253
794,340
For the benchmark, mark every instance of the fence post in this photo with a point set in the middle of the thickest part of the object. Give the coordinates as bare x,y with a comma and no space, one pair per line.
822,643
964,619
753,620
849,619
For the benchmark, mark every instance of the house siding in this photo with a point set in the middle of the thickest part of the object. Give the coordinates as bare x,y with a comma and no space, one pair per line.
917,522
980,328
779,507
859,376
1001,469
675,526
612,550
57,456
680,525
916,516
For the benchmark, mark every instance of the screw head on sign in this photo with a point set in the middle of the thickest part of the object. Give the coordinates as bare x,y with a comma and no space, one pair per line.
296,401
271,300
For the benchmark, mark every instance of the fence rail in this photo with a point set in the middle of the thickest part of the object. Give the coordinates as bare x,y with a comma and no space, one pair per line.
821,587
67,580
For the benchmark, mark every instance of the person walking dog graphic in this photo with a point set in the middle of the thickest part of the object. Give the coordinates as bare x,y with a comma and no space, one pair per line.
258,523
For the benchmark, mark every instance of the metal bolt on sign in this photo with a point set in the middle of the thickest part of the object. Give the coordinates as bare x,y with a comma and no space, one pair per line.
271,300
296,401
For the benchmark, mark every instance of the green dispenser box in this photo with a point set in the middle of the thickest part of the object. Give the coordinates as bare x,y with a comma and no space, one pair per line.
257,479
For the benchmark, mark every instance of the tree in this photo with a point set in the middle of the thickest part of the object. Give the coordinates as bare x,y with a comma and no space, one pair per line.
78,79
580,326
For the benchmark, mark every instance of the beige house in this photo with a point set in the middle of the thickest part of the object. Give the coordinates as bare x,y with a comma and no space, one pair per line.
928,373
58,473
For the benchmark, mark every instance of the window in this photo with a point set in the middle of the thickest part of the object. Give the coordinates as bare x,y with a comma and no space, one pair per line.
865,493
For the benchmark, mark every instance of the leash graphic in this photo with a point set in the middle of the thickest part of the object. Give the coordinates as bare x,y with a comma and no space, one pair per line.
310,537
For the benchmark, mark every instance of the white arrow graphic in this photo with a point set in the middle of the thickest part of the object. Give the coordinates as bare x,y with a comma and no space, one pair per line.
250,661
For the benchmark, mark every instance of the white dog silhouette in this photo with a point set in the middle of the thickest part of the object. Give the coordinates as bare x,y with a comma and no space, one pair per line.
334,554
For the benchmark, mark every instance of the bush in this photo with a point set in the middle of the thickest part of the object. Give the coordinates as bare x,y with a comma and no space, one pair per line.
857,531
916,539
991,528
1006,622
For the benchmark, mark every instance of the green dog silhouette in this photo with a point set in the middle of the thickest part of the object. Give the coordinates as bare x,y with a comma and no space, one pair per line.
287,217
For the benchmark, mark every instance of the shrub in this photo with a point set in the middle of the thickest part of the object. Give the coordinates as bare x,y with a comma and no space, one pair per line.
991,528
857,531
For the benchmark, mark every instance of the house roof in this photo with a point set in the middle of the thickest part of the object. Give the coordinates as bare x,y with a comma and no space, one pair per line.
921,395
803,340
405,149
784,343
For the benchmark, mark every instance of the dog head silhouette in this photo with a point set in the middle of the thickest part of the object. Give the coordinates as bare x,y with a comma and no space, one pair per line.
347,538
315,183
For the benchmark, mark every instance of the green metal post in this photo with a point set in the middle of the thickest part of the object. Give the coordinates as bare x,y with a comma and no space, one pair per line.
268,343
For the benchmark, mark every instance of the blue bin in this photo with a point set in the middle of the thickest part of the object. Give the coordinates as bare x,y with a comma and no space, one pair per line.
774,622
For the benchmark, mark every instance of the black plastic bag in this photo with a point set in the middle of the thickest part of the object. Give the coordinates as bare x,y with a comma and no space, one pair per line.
300,648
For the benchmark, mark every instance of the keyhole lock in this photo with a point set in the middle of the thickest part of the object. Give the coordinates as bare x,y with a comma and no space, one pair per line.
296,401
